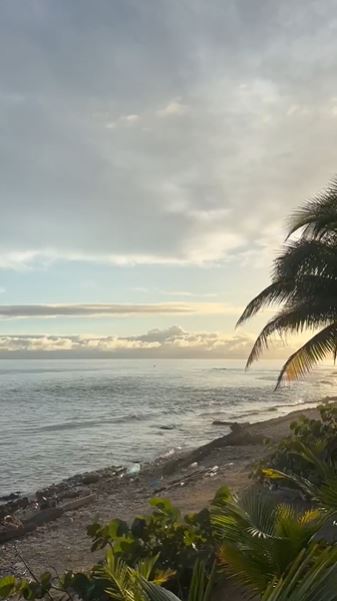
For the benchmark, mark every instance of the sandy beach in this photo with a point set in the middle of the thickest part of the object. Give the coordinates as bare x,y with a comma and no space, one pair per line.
189,480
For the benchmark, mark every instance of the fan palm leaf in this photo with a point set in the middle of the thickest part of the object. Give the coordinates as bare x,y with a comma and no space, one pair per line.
323,494
257,538
312,577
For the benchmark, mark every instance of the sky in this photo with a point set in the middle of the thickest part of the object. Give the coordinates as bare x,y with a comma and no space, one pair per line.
150,154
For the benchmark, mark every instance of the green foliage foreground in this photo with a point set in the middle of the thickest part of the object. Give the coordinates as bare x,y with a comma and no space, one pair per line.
274,551
250,538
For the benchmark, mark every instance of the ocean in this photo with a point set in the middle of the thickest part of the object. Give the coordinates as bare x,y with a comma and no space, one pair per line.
62,417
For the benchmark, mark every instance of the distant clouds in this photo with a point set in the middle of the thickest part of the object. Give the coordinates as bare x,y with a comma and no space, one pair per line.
170,343
109,310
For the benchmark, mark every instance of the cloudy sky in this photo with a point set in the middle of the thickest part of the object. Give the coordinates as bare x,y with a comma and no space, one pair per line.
150,154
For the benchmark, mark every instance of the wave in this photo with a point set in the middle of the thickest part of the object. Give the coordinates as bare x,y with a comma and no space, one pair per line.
75,425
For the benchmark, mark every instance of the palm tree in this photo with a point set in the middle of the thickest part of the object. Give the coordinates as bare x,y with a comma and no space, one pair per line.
312,577
304,282
258,538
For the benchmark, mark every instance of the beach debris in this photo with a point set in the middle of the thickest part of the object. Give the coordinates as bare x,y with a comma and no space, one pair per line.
11,527
194,464
213,471
134,469
43,502
11,521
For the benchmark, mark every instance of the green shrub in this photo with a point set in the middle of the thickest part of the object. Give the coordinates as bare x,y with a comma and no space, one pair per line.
320,435
177,540
259,542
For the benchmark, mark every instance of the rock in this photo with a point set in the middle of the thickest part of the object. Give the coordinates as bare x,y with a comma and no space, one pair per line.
241,436
90,478
219,422
11,497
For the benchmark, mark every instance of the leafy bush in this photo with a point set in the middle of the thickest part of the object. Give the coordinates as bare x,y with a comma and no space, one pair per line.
319,435
112,579
257,541
177,541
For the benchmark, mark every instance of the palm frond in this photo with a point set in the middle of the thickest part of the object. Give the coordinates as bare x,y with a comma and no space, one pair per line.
318,216
252,513
119,575
312,577
311,353
294,319
251,568
201,584
200,588
154,592
275,293
306,257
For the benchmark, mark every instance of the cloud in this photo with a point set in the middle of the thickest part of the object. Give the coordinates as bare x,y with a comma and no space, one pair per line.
255,135
115,310
170,343
173,108
131,118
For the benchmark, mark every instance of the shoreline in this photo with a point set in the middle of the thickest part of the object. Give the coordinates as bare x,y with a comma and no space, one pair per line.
172,453
190,479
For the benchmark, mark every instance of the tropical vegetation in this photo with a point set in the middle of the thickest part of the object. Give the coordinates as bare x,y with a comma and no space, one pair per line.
304,282
272,549
275,550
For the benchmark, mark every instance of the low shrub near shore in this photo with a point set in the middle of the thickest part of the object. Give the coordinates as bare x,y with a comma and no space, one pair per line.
274,551
319,435
177,541
249,538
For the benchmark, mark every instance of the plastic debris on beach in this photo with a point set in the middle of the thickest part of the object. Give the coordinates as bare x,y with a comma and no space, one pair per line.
213,471
134,469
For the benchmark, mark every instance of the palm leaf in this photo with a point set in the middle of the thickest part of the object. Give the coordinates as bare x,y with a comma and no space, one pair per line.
294,319
119,574
312,577
275,293
313,351
318,216
251,567
200,588
305,257
154,592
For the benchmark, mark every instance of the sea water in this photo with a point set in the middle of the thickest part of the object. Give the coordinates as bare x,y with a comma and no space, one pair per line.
62,417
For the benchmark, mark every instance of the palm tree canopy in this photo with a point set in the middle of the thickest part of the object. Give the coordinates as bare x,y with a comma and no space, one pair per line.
304,282
318,217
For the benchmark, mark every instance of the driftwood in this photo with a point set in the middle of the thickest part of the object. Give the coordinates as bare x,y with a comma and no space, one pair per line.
43,517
